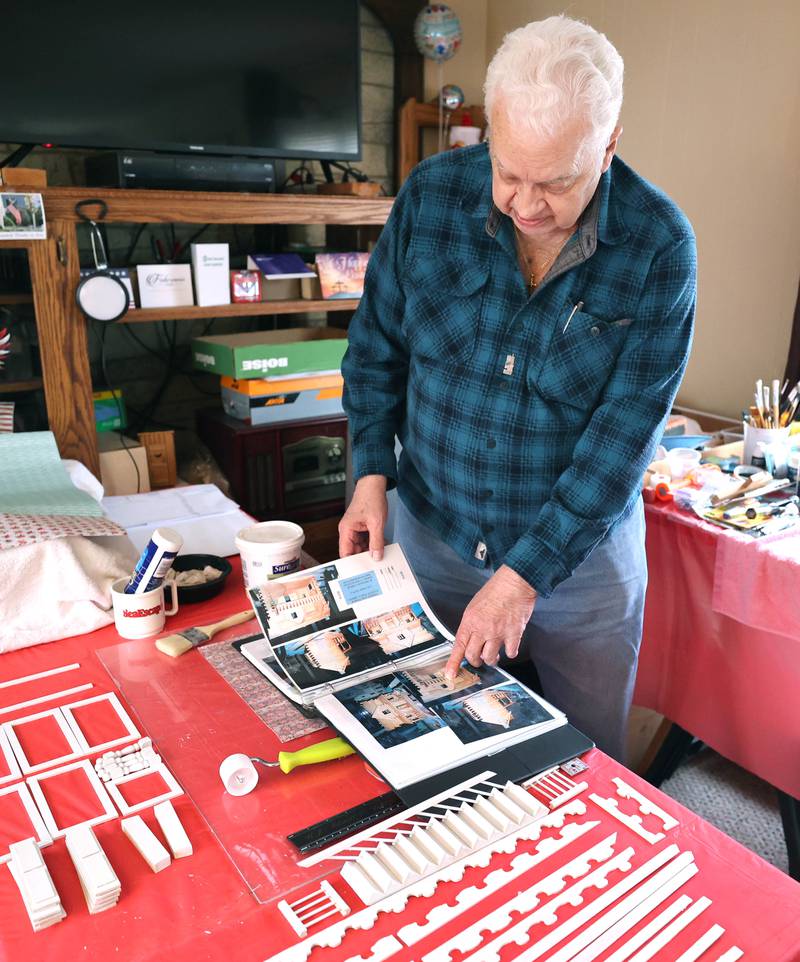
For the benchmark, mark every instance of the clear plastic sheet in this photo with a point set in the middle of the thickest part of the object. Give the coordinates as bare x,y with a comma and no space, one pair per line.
196,720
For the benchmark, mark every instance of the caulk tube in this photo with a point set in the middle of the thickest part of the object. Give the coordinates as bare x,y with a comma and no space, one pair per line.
155,562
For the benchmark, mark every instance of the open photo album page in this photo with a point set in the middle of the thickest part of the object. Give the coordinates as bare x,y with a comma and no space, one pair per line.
343,619
413,723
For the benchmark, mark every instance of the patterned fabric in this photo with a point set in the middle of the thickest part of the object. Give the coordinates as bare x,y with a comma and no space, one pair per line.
526,421
286,720
17,530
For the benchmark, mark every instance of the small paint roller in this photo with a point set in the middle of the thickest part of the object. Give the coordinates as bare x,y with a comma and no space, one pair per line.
238,772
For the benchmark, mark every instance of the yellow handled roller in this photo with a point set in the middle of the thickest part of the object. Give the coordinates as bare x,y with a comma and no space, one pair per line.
239,775
321,752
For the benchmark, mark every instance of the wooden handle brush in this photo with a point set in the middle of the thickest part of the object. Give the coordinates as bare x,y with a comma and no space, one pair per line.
181,642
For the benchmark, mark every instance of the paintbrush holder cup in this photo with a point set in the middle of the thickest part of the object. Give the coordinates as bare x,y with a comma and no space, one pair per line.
145,614
754,436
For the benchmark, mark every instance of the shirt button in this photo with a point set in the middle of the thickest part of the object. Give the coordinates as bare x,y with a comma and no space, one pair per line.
491,443
488,528
595,330
487,493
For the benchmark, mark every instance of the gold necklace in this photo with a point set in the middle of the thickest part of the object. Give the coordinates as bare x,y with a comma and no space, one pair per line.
532,282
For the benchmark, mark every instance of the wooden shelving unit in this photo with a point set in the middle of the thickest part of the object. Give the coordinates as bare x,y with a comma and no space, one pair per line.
55,270
9,299
12,387
257,308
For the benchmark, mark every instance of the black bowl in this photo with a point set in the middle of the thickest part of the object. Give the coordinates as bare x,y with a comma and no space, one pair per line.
189,594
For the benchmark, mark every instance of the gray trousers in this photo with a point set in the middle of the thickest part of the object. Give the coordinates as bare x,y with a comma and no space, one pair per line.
584,639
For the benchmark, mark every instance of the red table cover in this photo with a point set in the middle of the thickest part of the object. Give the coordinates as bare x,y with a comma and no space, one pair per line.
201,908
731,684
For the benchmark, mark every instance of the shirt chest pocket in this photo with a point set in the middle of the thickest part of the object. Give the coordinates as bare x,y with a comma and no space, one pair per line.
580,359
443,307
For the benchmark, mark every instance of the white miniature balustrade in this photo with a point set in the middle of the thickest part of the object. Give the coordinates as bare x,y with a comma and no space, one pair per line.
395,863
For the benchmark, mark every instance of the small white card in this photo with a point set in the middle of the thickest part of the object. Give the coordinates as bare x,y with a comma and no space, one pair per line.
211,269
165,285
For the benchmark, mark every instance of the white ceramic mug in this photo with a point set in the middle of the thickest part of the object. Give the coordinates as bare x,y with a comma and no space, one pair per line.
143,615
753,435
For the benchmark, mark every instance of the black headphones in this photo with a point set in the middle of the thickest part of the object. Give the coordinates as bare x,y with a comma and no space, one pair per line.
100,295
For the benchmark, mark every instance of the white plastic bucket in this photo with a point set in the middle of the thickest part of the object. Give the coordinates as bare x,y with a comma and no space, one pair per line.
269,550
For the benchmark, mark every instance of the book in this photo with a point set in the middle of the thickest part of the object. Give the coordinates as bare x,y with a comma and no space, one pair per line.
356,641
210,268
279,266
165,285
342,275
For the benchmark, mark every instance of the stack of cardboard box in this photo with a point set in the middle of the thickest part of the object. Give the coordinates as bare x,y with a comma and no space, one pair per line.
268,377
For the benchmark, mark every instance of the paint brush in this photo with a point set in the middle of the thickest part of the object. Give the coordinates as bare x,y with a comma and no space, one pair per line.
776,403
182,641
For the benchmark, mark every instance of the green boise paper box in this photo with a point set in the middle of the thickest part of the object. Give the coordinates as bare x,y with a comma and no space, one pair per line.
295,350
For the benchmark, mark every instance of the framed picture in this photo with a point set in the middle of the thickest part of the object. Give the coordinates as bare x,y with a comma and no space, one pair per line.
22,217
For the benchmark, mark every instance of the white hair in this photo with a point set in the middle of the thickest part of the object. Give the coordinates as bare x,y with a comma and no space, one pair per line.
552,71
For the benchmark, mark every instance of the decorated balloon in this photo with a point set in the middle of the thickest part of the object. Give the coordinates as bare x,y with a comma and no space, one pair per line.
437,32
451,96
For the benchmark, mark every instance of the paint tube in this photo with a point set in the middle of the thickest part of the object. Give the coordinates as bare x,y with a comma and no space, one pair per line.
155,562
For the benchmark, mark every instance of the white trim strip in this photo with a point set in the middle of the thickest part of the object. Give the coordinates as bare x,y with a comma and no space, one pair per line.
467,898
634,822
124,717
365,918
39,674
666,935
646,806
693,953
39,827
109,811
622,917
580,869
10,757
636,941
43,698
490,952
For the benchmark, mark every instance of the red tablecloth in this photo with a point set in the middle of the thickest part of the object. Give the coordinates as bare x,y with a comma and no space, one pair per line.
200,907
731,684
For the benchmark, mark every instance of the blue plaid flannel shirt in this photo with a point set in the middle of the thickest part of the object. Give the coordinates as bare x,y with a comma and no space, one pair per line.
526,423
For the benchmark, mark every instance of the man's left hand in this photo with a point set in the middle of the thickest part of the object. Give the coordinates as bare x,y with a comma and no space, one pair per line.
495,618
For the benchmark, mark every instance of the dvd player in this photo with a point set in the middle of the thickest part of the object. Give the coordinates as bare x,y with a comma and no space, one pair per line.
140,169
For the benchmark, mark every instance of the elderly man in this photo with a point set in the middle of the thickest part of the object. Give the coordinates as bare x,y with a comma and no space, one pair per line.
525,325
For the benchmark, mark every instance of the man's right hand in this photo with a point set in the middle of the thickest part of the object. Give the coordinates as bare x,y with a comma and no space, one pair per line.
361,527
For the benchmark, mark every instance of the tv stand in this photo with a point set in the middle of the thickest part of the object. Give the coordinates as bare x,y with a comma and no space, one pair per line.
16,157
141,169
55,265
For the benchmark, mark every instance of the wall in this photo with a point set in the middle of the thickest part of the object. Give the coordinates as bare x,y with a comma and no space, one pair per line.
712,115
468,66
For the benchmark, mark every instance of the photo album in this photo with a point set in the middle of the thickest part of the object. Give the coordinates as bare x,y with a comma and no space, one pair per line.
355,640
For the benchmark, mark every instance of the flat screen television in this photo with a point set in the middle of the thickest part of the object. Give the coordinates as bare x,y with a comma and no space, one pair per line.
260,78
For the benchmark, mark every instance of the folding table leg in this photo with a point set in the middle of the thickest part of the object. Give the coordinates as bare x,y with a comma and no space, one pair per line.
675,748
790,816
